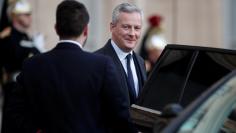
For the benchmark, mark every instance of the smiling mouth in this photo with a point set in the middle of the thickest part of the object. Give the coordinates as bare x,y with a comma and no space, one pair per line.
130,40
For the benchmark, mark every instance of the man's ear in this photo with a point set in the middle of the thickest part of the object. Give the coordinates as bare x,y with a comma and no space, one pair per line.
111,26
85,32
55,27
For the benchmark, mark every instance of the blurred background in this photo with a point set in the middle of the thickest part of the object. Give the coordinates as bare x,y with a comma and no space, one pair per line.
188,22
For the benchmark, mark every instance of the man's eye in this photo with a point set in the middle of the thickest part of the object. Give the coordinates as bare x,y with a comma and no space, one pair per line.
137,28
125,27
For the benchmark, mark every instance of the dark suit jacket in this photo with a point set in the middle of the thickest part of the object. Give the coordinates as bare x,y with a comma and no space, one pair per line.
68,90
108,50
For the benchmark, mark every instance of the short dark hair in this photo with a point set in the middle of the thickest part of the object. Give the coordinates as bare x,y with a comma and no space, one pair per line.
71,18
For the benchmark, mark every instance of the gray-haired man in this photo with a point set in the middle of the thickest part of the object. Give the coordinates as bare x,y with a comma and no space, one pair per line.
125,31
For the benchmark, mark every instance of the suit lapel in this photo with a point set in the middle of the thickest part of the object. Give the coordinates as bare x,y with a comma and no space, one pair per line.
139,70
141,67
110,51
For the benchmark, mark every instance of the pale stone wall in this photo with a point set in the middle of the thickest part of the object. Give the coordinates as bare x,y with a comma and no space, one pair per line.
190,22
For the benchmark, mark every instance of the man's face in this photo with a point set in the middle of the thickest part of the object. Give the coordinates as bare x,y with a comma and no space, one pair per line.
127,30
24,20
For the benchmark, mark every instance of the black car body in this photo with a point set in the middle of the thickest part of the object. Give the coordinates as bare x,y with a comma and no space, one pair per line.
180,76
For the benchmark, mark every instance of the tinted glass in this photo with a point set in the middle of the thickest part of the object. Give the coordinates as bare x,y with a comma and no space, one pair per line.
182,74
208,68
166,81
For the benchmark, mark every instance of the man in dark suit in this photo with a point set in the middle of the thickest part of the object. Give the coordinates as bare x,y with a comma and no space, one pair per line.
68,90
126,30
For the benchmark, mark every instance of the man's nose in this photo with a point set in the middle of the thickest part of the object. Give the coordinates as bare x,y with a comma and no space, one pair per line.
132,32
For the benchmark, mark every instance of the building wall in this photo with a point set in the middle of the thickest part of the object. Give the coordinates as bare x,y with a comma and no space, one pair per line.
190,22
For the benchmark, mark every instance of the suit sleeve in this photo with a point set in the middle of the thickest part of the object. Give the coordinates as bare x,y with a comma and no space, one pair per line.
116,103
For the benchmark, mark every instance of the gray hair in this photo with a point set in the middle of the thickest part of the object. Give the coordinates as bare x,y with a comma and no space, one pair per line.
127,8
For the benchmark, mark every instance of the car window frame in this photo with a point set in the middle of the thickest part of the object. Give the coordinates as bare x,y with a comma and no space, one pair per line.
176,123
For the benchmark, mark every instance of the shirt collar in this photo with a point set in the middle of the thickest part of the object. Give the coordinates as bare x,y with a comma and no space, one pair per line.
71,41
121,54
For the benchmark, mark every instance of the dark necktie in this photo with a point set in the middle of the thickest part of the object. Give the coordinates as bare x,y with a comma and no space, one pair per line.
130,76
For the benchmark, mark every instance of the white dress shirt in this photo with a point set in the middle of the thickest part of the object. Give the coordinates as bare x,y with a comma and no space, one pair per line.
71,41
122,56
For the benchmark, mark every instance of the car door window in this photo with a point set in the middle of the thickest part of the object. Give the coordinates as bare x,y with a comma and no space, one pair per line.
214,113
208,68
169,76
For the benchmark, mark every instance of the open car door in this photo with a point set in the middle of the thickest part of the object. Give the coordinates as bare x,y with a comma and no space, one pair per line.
181,74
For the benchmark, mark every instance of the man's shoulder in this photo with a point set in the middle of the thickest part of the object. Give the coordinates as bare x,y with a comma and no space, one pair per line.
101,50
104,49
97,62
97,56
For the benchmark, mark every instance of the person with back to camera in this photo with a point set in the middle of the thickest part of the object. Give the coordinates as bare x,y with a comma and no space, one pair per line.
125,31
68,90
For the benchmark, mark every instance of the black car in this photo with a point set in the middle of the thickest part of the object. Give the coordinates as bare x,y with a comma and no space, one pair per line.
180,76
